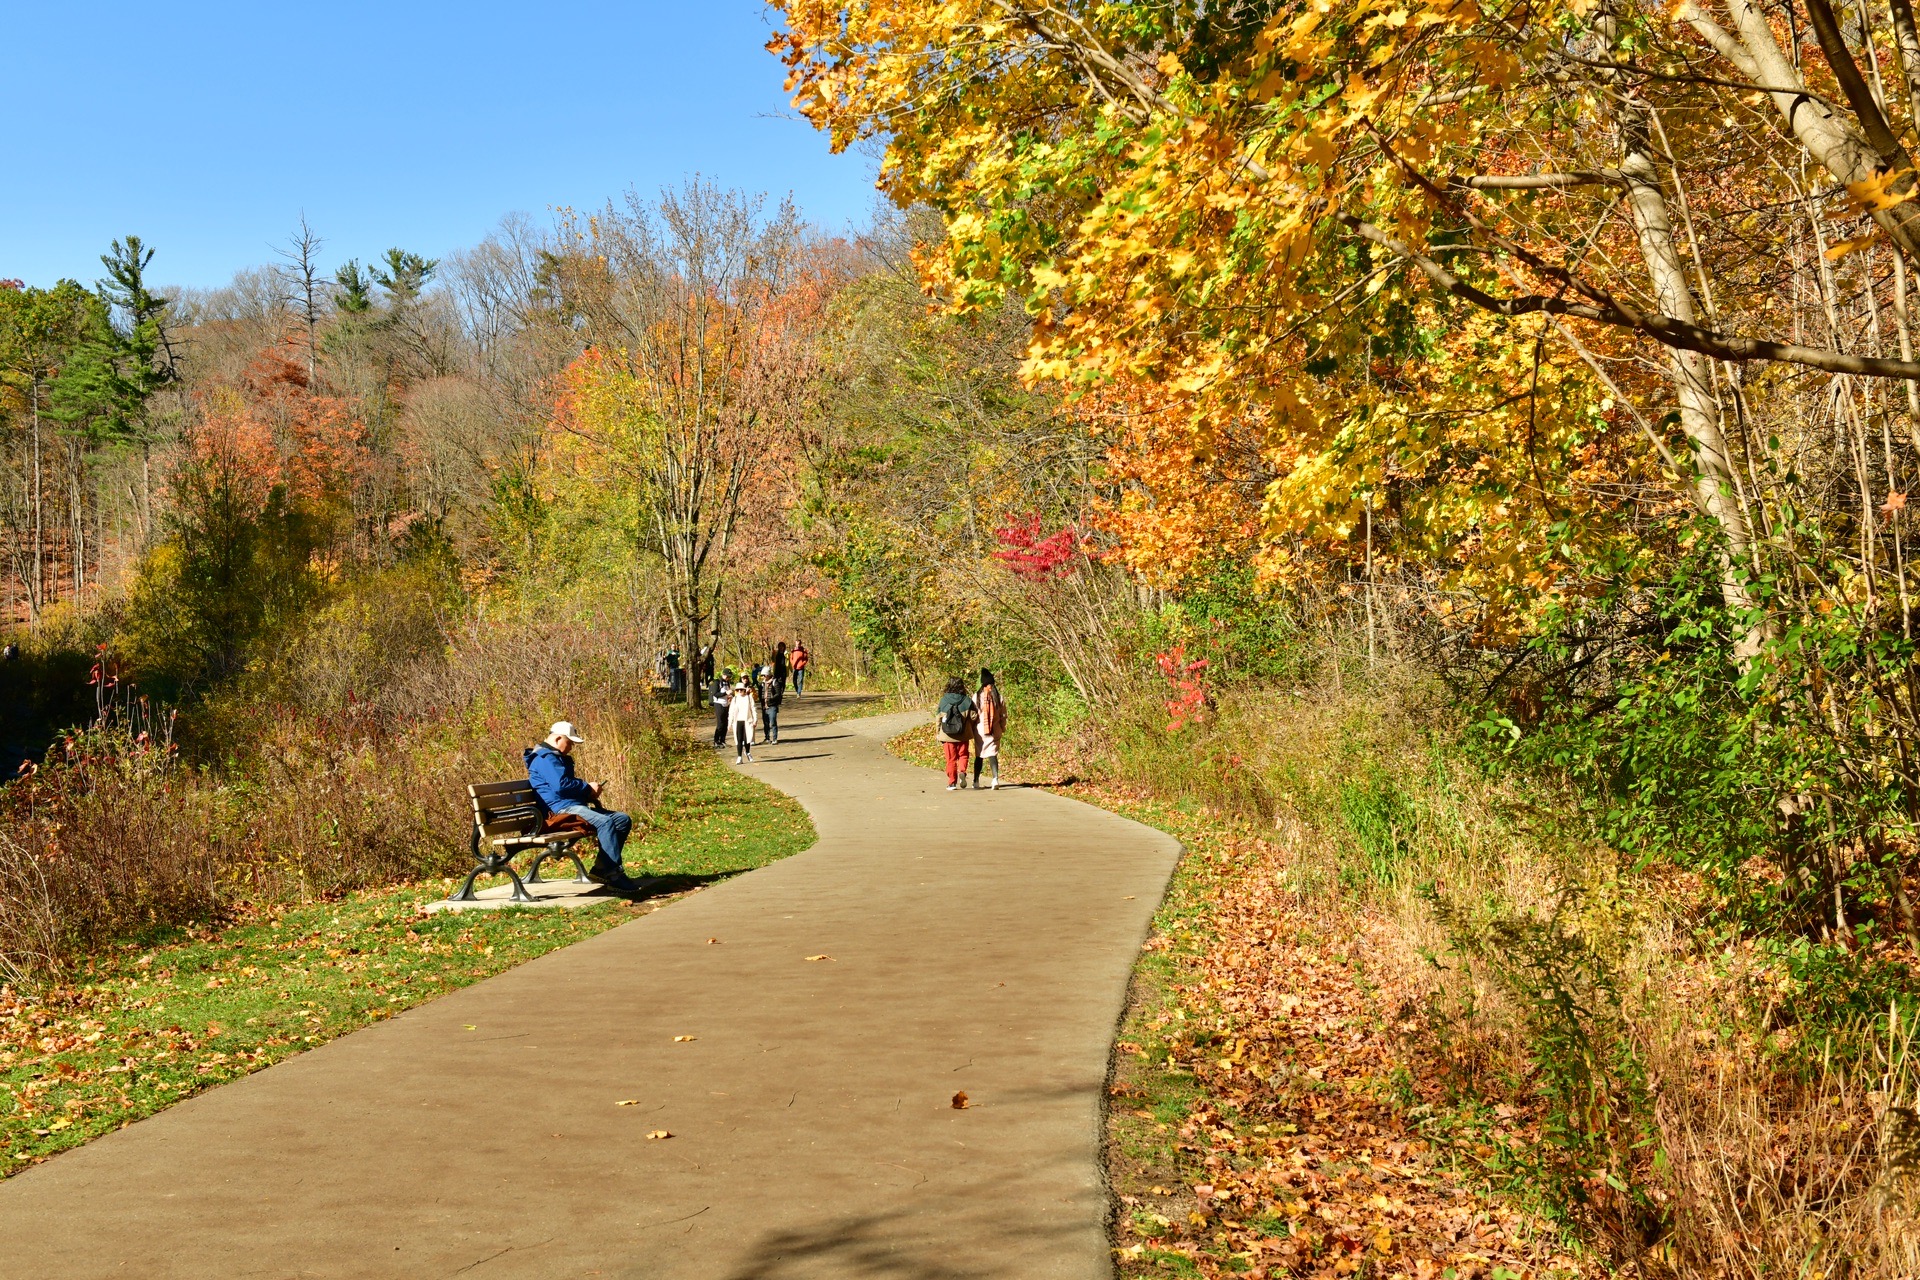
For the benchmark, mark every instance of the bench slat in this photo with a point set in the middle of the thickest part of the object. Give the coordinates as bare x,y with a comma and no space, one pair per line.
511,826
487,812
487,790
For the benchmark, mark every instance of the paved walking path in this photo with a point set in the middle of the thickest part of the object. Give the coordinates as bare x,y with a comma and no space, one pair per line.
980,941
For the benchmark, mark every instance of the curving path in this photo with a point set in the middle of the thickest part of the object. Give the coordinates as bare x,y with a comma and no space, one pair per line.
980,941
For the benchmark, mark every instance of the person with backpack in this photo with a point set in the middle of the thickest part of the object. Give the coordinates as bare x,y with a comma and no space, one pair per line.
992,723
741,714
800,658
772,692
955,718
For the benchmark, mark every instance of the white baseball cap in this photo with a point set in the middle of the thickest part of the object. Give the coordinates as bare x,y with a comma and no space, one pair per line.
565,729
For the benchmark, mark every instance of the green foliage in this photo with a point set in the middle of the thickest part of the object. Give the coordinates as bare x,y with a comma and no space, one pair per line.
356,288
1777,784
231,569
1598,1107
1244,631
1381,820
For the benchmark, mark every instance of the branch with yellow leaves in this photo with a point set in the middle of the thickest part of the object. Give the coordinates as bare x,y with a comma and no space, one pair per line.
1607,310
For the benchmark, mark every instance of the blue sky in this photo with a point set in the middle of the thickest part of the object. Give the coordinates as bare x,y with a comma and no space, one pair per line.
208,128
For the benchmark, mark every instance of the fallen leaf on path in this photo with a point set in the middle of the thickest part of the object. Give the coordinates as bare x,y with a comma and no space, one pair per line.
819,957
471,1027
712,941
960,1102
681,1039
627,1102
659,1133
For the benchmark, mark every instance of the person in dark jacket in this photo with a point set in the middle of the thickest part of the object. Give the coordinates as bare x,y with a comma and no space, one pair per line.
717,693
781,667
772,691
954,719
550,773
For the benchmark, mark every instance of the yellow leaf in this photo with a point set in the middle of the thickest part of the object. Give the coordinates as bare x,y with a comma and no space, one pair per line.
1872,194
683,1039
627,1102
659,1133
1844,247
819,957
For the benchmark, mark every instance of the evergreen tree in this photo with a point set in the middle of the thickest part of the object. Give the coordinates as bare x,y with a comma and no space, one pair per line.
356,290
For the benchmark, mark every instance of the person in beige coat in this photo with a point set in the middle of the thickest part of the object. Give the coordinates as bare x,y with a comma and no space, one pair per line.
744,715
988,728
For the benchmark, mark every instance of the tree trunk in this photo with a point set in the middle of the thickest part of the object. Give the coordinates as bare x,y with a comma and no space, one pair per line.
1687,370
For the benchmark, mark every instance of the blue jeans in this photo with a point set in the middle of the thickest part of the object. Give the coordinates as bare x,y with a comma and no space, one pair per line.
610,829
800,680
770,720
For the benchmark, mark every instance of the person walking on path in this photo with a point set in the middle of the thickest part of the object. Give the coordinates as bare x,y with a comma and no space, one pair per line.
955,718
800,659
717,690
992,723
782,668
741,714
550,773
771,695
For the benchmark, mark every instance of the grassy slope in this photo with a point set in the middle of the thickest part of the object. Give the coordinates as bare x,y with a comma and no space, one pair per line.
143,1027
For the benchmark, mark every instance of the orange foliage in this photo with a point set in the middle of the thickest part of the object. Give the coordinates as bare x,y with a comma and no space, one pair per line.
1180,506
273,430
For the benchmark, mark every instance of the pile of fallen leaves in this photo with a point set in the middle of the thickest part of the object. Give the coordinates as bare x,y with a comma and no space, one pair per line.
1276,1027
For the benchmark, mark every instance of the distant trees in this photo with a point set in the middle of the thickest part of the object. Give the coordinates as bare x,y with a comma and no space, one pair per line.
78,369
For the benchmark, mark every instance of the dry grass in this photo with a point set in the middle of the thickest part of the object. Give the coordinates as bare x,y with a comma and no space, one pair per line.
351,782
1570,1025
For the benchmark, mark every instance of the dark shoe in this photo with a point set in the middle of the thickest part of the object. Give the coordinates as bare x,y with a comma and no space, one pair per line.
604,870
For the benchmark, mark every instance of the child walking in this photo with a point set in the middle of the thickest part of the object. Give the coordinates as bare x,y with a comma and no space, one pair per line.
745,719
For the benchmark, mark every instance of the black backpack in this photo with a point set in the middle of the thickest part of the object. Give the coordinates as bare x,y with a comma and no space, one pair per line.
954,723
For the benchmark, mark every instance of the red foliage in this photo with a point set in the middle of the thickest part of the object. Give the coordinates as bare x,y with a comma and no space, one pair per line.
1033,554
1185,677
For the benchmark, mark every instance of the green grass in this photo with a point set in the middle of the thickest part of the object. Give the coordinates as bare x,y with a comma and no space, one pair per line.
138,1029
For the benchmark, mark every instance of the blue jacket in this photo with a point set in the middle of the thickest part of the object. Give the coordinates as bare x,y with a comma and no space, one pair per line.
552,777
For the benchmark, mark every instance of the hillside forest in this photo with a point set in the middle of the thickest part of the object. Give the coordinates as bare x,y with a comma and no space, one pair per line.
1459,452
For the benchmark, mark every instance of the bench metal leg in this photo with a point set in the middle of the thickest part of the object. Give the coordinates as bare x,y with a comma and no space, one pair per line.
558,851
465,892
579,867
492,866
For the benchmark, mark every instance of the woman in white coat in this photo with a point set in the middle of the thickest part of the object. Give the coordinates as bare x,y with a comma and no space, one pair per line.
744,715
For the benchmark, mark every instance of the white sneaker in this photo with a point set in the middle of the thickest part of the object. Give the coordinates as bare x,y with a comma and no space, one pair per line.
995,786
952,787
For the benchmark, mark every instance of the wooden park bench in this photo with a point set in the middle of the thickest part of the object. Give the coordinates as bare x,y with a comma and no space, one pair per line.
507,818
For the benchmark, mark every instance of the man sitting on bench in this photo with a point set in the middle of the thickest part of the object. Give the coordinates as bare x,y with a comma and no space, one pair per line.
550,773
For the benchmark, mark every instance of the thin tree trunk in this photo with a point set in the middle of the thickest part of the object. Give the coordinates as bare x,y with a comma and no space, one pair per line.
1688,371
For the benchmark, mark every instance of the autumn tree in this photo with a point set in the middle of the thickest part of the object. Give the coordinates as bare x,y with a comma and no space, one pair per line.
686,389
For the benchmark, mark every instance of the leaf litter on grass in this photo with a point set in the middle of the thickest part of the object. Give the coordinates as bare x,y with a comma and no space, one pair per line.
129,1032
1260,1118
